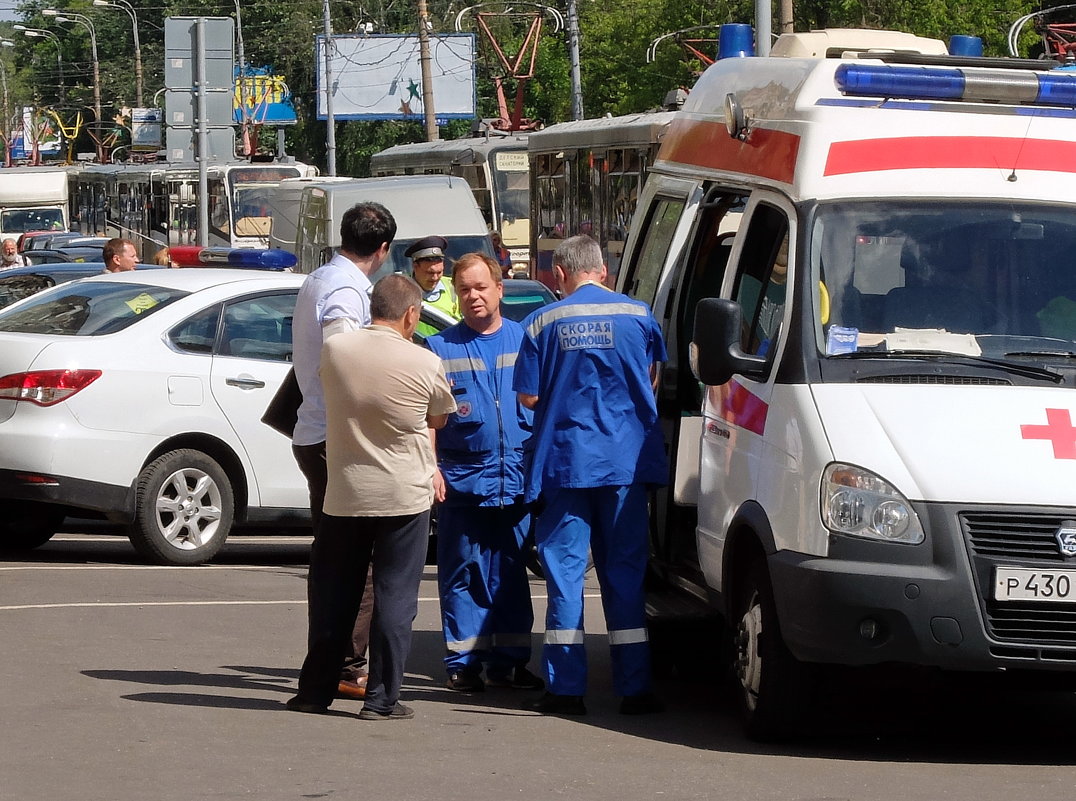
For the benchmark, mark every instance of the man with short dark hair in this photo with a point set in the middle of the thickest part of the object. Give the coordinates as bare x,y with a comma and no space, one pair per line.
382,395
119,255
335,298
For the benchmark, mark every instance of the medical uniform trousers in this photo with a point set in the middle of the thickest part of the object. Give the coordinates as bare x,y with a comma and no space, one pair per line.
486,608
613,523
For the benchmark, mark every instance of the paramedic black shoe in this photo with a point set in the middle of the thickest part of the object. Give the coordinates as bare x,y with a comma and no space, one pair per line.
465,681
398,712
518,679
552,704
642,704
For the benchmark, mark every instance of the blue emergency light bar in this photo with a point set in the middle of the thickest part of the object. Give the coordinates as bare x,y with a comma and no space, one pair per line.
939,83
253,258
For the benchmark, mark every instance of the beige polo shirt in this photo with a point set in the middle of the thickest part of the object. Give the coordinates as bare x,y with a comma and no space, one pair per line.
379,389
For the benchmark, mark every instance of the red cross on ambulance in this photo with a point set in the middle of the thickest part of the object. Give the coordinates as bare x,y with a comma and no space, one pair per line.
1058,430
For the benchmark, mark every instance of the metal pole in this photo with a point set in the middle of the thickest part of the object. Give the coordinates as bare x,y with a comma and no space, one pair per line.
7,118
763,26
432,134
573,55
201,84
330,118
242,78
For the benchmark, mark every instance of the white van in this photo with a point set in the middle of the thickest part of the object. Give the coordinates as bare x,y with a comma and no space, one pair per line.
33,199
423,205
868,264
284,201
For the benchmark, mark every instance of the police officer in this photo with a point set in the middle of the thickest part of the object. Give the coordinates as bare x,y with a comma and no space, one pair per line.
587,366
428,265
482,521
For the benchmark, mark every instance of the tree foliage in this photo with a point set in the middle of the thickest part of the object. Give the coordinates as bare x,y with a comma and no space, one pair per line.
615,37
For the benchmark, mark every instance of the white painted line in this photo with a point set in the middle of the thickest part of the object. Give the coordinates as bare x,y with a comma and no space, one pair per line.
44,566
123,604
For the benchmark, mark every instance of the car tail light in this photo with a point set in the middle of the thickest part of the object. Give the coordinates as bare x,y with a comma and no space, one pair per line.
46,387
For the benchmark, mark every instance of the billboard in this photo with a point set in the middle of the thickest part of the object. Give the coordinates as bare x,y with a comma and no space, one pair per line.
379,77
268,98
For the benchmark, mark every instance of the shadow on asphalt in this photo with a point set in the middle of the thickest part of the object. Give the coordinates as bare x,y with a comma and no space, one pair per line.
860,715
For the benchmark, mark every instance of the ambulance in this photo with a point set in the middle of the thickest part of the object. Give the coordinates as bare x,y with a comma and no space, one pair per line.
862,251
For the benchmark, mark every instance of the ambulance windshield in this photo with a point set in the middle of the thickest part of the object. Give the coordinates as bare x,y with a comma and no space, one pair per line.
967,277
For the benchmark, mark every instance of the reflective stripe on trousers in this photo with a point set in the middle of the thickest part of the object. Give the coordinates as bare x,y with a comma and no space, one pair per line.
612,522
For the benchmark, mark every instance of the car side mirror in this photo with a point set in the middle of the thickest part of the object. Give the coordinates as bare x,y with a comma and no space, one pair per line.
715,348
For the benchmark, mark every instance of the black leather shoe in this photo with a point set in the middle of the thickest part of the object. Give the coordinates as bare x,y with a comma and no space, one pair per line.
553,704
519,679
465,681
642,704
297,704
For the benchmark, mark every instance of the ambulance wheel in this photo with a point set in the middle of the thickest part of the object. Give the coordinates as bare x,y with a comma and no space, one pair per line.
773,687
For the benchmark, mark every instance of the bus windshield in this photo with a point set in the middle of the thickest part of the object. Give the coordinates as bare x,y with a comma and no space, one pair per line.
968,277
251,191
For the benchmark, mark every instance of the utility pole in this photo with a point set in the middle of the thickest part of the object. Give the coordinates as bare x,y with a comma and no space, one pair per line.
787,24
201,83
573,55
330,118
763,26
432,134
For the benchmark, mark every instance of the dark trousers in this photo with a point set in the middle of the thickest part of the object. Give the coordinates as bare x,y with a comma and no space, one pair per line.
311,460
343,550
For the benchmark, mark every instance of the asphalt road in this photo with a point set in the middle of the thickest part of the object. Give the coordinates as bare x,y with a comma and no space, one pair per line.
125,682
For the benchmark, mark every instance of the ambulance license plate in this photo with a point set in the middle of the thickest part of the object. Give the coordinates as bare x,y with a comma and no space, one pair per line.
1027,584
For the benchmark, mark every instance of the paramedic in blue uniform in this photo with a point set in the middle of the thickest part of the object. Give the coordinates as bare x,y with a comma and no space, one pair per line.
482,521
588,367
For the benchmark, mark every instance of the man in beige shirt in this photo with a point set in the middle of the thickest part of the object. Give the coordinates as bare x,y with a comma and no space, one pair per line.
382,395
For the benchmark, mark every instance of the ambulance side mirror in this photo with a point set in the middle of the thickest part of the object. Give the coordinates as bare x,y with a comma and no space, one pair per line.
715,347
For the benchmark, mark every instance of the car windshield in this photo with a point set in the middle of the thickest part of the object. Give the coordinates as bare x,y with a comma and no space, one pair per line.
966,277
88,308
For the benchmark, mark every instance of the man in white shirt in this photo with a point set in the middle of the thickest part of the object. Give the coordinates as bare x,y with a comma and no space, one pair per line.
336,298
11,255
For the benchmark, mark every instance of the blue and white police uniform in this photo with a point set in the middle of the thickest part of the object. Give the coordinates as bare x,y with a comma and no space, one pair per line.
482,523
597,449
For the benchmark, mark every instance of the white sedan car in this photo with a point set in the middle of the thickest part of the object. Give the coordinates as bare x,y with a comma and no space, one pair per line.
138,396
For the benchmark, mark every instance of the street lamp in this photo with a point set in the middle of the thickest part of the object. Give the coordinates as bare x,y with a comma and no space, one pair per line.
38,33
125,6
86,23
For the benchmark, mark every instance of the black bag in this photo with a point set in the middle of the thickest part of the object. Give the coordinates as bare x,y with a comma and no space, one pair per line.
283,409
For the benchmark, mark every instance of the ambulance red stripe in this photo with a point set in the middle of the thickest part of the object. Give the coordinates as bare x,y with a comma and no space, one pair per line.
739,406
950,152
766,153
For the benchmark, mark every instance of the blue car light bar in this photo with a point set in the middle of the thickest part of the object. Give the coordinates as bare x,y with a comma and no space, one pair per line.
938,83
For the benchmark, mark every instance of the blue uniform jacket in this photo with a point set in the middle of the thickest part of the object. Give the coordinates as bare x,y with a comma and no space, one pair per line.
480,449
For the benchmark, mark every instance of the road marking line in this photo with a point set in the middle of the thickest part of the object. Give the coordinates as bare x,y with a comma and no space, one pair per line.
120,604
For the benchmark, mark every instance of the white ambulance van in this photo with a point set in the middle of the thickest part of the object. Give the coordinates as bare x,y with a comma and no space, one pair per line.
863,255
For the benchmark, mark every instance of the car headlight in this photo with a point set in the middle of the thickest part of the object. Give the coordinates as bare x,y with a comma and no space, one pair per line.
859,503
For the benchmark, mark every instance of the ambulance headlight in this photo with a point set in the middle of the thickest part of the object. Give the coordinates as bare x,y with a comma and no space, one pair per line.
859,503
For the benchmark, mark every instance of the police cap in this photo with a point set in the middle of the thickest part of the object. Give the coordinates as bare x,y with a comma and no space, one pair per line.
430,247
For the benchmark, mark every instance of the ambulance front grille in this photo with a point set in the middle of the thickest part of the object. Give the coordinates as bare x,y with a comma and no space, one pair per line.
930,379
1019,539
1013,536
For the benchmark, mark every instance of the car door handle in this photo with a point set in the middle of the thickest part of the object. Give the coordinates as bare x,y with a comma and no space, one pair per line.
244,383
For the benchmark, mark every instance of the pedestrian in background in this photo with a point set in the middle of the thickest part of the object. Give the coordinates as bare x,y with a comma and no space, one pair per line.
482,520
11,255
332,299
119,255
382,395
428,268
588,367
